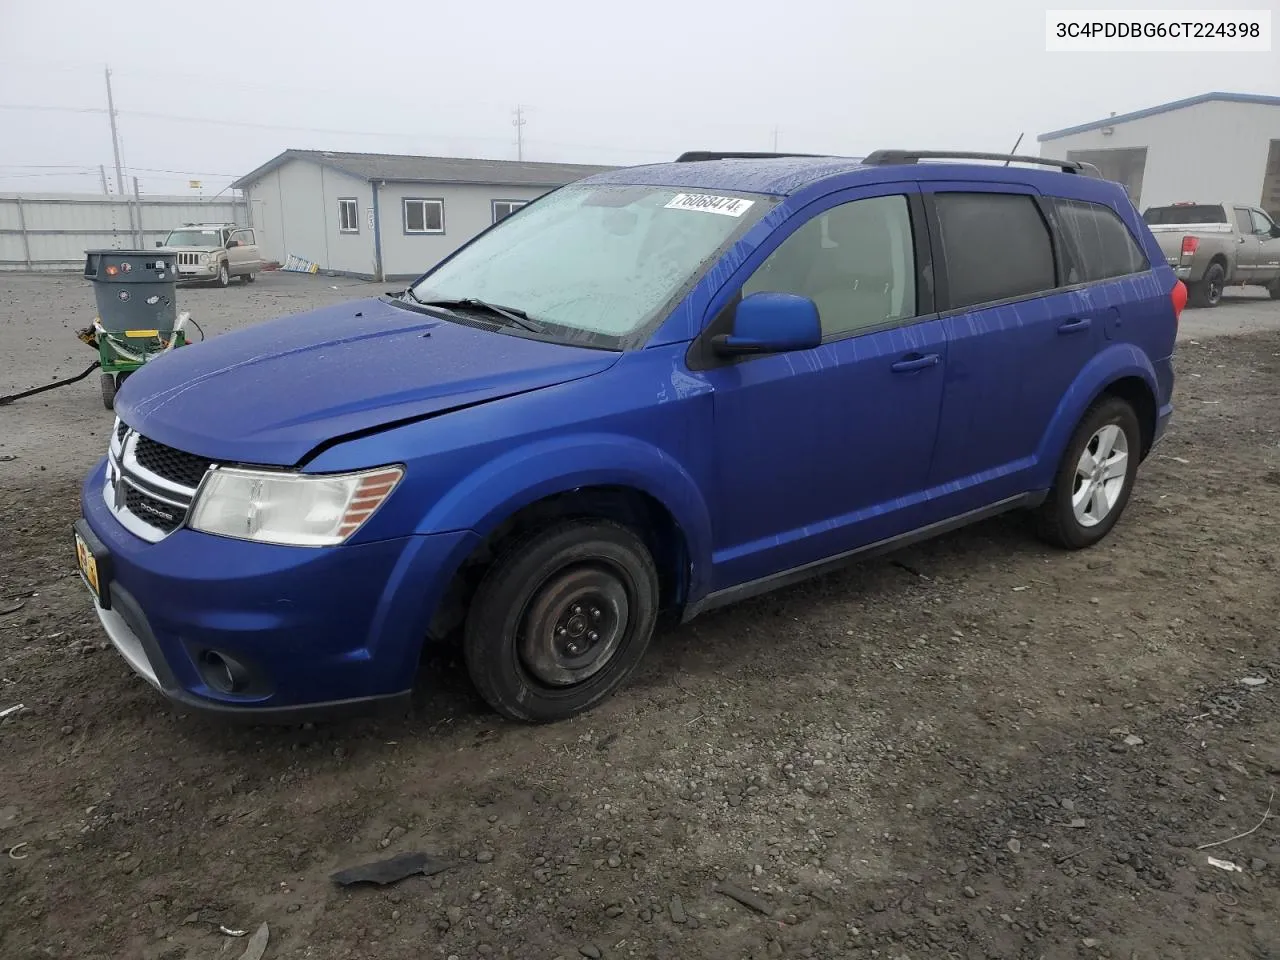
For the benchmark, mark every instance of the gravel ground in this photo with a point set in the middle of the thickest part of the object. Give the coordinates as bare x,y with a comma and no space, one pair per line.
977,748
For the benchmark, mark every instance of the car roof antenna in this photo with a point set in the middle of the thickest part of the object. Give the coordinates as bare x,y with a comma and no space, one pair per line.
1015,147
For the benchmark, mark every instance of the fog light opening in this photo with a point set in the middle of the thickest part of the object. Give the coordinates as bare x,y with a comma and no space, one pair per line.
223,673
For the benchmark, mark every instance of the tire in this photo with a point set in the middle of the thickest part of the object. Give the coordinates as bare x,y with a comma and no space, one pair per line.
249,278
561,619
1110,421
224,275
1208,291
108,391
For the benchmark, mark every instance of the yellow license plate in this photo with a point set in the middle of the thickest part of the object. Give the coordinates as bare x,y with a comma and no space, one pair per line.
88,565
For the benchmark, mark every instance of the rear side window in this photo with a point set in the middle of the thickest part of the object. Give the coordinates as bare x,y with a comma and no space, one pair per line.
996,246
1098,244
1185,213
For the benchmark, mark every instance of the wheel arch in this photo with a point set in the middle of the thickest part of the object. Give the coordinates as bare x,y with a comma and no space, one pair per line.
609,477
1121,370
1136,392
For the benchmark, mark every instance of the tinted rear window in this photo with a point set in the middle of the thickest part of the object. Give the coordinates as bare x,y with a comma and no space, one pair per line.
996,246
1098,245
1186,213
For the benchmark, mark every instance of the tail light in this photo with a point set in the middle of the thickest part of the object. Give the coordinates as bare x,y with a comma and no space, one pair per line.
1190,245
1179,297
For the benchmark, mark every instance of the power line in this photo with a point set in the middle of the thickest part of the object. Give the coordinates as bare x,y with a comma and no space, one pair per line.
58,173
150,115
48,166
334,131
193,173
50,107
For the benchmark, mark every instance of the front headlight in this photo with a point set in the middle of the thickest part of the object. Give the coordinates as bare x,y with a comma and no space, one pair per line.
293,509
204,258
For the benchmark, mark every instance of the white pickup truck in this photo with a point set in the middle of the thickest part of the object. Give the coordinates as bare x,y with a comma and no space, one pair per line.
1212,246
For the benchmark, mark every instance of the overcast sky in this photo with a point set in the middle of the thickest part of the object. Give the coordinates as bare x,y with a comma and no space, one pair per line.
211,90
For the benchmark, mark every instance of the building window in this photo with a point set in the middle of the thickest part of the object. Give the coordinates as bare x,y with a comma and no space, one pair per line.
505,208
423,216
348,215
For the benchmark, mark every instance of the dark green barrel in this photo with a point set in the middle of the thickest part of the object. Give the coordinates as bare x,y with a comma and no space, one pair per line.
134,289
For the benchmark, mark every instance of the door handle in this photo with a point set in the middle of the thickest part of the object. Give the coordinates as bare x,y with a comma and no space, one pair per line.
915,362
1075,325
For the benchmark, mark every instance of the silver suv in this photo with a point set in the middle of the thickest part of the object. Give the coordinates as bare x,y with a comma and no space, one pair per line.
214,252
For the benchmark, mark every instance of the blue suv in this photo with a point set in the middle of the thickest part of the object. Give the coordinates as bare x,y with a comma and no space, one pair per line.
654,391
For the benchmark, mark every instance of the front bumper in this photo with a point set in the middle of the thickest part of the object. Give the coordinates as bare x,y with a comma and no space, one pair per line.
201,272
316,631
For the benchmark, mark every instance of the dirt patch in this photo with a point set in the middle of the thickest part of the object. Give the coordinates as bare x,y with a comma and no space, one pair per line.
977,748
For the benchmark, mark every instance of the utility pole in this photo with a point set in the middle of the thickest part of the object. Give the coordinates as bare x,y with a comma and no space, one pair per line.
518,123
137,201
115,147
102,172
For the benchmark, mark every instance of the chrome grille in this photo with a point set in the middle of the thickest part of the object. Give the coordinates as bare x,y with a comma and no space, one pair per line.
150,487
163,516
188,259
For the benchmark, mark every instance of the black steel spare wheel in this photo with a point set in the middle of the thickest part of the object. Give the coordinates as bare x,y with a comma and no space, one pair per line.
561,620
574,624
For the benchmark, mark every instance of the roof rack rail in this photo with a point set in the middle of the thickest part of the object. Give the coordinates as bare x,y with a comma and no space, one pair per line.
694,156
878,158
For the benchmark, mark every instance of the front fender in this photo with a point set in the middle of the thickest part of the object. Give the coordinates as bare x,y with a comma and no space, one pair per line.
1115,363
527,474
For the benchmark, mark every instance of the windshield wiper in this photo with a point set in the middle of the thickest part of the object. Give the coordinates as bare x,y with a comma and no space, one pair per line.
511,314
407,293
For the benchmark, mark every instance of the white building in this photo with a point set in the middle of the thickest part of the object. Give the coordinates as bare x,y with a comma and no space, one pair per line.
1219,147
386,215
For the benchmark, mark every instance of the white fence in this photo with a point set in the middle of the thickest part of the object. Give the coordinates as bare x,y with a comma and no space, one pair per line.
52,231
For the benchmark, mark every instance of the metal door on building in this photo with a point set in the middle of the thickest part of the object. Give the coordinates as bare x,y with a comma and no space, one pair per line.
1271,183
1124,165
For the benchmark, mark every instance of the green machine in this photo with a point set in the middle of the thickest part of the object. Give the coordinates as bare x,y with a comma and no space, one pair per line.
136,296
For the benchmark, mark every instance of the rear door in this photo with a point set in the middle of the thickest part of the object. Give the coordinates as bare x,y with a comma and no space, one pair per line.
1016,340
1247,246
1267,266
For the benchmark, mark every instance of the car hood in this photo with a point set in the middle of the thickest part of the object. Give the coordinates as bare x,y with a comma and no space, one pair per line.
188,249
270,394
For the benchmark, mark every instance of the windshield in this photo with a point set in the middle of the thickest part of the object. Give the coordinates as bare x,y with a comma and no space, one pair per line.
1185,213
596,263
194,238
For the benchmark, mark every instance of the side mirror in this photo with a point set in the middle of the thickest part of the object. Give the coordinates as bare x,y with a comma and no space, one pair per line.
1275,230
159,243
771,323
